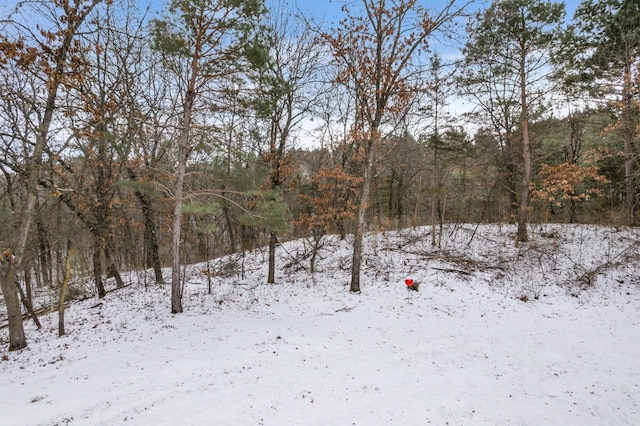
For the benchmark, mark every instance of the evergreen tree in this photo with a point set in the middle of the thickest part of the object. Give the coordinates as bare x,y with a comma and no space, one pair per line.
286,89
605,60
515,40
202,42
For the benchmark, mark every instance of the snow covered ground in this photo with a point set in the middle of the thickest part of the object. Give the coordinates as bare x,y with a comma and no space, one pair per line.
544,334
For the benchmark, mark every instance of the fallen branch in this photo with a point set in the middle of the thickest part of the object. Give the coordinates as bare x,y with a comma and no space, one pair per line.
41,311
447,311
458,271
118,288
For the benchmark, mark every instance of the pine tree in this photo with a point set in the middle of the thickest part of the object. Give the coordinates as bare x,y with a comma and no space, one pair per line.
202,42
605,60
514,39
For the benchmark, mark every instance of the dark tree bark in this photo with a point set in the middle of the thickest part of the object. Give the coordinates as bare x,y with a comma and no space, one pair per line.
97,269
273,242
151,248
63,290
26,302
17,338
28,287
152,255
46,265
230,230
113,268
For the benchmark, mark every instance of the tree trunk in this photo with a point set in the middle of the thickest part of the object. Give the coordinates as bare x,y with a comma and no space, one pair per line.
28,286
273,240
227,220
97,268
391,200
317,238
183,152
572,154
152,258
441,209
28,306
112,272
434,210
63,290
416,207
151,249
523,213
628,134
176,287
510,167
17,339
46,265
512,188
399,193
361,215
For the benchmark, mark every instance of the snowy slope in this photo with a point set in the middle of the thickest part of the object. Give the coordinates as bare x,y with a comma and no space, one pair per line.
467,349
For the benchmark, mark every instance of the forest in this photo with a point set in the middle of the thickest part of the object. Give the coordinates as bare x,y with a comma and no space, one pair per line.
137,137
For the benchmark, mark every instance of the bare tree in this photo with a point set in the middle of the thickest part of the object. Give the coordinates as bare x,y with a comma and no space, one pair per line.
377,53
50,55
287,90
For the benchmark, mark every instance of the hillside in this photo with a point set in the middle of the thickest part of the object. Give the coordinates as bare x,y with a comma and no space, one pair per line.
548,333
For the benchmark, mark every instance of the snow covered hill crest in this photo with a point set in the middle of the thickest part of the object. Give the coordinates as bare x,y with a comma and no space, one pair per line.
547,333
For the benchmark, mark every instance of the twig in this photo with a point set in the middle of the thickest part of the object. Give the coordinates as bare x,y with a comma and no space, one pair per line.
448,312
346,308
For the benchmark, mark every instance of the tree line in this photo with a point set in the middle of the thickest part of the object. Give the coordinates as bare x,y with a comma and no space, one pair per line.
136,140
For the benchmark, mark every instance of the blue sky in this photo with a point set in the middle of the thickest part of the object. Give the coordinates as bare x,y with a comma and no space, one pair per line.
327,9
329,12
331,8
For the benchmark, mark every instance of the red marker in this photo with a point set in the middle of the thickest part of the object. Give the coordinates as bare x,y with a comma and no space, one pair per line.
411,285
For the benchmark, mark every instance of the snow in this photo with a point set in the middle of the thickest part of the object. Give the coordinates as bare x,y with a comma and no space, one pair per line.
474,346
